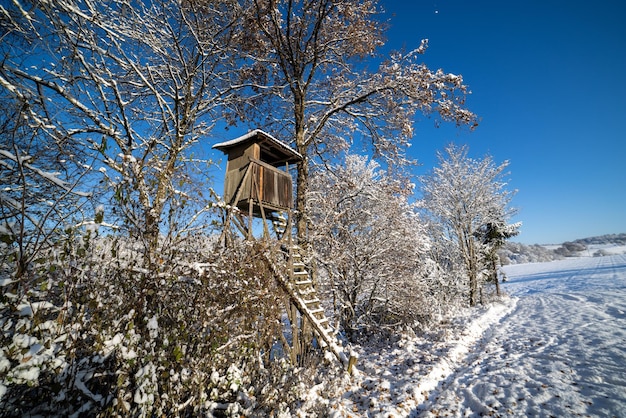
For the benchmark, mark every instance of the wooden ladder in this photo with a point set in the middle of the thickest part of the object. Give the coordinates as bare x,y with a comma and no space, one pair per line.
299,286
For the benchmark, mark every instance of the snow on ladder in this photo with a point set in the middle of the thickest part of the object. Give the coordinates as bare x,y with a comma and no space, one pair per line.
303,295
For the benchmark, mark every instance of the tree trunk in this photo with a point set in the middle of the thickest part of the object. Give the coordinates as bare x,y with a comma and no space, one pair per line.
301,192
303,169
472,271
494,272
151,235
473,284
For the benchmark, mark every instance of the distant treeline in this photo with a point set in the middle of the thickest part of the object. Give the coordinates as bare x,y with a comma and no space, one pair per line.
616,239
517,253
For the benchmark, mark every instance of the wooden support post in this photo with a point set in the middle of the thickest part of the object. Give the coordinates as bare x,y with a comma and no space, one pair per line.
250,208
351,362
266,231
296,350
231,204
240,224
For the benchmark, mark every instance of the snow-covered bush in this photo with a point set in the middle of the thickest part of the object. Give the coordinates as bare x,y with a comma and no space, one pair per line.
369,245
93,333
570,249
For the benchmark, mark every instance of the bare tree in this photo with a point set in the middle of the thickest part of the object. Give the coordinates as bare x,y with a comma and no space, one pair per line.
468,199
369,245
131,86
308,81
39,197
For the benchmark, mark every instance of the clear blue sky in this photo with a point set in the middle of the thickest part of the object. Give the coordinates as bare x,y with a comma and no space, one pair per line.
548,80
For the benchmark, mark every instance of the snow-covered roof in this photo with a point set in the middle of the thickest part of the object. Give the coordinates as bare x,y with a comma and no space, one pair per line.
279,151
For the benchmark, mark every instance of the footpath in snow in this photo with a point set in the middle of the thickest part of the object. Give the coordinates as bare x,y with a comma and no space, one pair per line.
558,348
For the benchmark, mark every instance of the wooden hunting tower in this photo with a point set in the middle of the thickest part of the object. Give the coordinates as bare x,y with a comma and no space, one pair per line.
254,182
258,187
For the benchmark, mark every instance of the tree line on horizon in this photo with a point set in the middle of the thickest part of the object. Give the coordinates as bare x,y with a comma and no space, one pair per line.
518,253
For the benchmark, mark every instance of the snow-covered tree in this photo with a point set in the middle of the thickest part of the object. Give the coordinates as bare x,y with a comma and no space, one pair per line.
39,197
309,79
131,87
103,103
493,236
369,245
469,203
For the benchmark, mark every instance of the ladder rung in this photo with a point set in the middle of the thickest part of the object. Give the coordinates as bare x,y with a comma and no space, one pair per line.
303,294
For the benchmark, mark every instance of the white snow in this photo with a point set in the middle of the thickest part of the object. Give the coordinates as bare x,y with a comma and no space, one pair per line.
253,133
153,327
27,309
80,385
556,347
26,374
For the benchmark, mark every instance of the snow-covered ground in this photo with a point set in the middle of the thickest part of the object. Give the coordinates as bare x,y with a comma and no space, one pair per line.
610,249
557,348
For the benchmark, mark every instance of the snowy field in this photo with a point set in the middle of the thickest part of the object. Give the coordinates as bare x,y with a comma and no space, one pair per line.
556,348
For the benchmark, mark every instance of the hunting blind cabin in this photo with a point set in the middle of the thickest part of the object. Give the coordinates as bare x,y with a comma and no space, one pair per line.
254,182
255,187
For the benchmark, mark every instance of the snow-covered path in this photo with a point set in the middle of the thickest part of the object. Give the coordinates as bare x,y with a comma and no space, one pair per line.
560,352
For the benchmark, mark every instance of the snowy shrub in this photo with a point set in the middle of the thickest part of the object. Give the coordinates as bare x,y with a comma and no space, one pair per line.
570,249
91,333
369,245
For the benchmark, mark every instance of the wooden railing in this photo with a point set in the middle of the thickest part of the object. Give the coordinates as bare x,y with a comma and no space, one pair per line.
259,182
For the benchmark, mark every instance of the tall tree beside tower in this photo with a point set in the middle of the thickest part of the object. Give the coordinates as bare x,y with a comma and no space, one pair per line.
308,79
